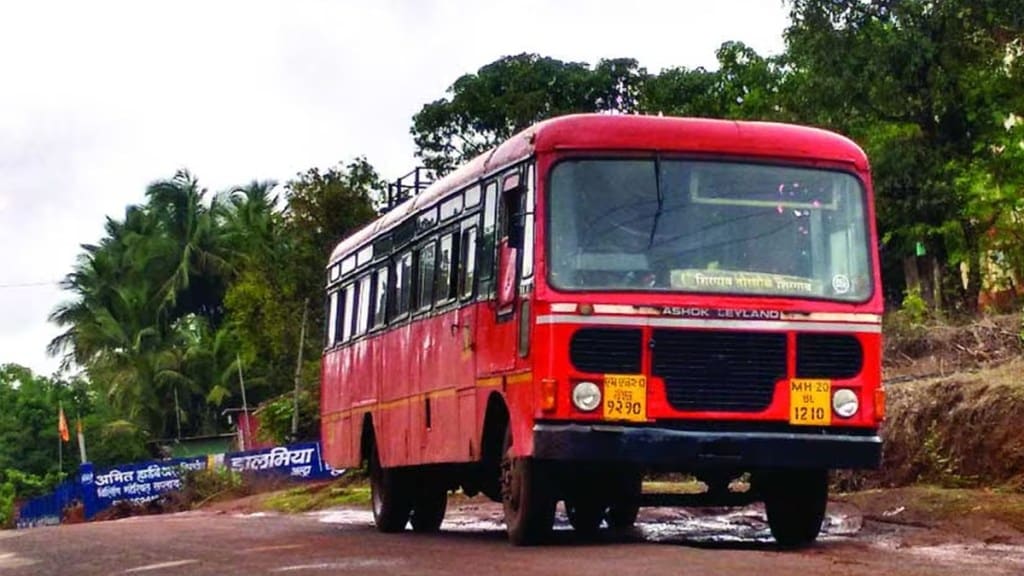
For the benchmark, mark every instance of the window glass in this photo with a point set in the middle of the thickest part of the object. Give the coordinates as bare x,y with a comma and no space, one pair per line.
427,220
381,293
528,225
467,262
332,319
350,293
364,256
403,284
489,232
443,290
365,299
451,208
426,276
472,196
348,265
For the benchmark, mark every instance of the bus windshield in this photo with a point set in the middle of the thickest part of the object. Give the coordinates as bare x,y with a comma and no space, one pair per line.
707,227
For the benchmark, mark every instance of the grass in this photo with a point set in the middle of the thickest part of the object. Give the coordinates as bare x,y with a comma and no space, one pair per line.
319,496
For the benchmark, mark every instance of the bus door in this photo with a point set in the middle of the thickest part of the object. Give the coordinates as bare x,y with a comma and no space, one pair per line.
499,270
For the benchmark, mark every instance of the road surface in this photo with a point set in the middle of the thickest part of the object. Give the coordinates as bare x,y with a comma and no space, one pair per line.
342,541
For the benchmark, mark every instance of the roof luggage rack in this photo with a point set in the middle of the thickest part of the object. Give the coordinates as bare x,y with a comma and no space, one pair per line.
408,186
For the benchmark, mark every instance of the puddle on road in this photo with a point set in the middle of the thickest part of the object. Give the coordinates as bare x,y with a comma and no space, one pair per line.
345,565
744,525
10,560
968,555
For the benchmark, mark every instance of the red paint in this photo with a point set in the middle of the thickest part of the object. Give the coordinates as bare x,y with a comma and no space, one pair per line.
457,359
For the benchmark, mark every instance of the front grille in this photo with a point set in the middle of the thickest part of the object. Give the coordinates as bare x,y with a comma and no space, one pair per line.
719,371
606,350
828,356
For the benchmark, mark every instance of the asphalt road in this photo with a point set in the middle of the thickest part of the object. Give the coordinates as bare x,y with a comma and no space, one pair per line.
667,541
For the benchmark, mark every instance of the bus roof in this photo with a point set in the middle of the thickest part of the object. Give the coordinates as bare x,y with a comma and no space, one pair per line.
597,132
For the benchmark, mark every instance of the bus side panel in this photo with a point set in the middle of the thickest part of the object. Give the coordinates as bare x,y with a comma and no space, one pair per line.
435,441
396,382
334,450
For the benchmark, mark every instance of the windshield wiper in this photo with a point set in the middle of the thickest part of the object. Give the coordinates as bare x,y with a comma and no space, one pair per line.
661,200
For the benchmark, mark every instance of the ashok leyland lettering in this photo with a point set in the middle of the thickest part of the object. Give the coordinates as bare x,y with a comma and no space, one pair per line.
605,296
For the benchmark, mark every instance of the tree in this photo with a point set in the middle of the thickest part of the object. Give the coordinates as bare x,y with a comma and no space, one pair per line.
510,94
929,80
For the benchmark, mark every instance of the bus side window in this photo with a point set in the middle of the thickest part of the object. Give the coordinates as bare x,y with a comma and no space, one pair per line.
425,275
381,297
332,319
403,284
527,223
447,257
467,262
347,316
364,298
489,240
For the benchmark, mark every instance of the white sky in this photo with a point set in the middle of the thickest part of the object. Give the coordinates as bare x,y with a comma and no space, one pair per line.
98,99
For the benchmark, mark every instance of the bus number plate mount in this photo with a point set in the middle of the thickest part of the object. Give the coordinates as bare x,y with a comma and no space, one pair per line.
625,397
810,402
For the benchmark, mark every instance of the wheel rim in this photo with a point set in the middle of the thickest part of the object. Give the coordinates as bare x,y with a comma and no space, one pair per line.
510,485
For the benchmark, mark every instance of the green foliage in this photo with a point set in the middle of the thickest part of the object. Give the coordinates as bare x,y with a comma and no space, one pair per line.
192,292
201,486
512,93
276,417
928,87
914,308
16,486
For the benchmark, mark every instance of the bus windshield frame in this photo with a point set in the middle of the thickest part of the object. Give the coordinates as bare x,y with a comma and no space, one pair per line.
681,225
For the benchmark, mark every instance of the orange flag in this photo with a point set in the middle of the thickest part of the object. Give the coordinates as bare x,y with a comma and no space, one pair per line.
62,426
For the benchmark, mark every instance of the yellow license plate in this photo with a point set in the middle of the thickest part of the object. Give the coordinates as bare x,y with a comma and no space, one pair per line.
810,402
625,397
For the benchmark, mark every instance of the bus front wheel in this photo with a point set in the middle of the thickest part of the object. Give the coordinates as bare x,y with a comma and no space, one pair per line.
389,493
526,498
625,504
795,504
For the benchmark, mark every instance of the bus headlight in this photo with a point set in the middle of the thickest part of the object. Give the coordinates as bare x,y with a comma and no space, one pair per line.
586,396
845,403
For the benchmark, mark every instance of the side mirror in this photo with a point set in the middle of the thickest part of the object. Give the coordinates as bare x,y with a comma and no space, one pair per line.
507,257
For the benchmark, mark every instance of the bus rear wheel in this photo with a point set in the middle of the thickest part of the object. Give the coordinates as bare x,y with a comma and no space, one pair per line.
526,498
794,503
428,509
389,493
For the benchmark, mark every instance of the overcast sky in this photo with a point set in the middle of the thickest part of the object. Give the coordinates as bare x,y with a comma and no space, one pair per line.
97,99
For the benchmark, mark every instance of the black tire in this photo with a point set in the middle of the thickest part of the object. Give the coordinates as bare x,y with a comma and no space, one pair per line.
390,496
428,509
625,504
526,498
794,503
585,516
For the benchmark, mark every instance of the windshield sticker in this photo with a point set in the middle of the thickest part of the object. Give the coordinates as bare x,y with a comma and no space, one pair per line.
841,283
740,281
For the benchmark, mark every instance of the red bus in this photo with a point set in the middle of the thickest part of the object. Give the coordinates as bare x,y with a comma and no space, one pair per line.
604,296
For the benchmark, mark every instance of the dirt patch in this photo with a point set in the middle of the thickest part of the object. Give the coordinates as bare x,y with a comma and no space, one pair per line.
939,350
959,431
948,515
165,504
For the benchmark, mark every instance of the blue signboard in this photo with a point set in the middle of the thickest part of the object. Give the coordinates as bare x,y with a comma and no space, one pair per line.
142,482
296,460
146,481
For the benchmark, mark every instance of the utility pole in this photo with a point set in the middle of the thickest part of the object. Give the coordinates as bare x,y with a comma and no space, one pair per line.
177,411
245,405
298,371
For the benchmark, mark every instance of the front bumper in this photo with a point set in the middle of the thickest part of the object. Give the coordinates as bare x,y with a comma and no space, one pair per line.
673,449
